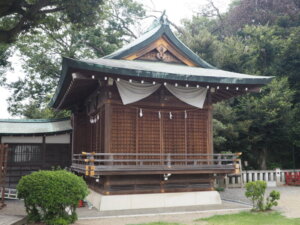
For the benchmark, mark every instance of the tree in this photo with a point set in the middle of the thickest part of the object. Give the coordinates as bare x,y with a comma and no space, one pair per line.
19,16
260,13
259,125
225,127
269,117
4,64
43,48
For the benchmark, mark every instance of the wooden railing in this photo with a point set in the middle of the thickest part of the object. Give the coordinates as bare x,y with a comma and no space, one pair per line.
99,163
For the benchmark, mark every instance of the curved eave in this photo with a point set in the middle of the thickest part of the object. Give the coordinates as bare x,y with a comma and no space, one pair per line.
152,70
153,35
35,134
34,127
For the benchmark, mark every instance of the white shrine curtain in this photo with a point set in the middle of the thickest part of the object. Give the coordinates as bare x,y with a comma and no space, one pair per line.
191,95
132,91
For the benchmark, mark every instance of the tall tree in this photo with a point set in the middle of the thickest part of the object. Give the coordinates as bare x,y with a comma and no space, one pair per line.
262,12
19,16
257,124
269,118
42,50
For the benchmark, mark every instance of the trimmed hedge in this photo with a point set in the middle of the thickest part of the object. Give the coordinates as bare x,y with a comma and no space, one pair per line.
52,196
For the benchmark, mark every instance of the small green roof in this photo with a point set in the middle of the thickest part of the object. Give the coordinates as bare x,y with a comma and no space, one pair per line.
161,29
34,126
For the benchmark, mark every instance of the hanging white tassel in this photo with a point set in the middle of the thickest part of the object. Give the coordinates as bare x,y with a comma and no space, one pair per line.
185,114
141,113
91,121
98,117
171,116
159,115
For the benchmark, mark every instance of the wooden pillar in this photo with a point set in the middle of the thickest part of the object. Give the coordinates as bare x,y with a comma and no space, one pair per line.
210,148
70,148
44,152
73,138
107,129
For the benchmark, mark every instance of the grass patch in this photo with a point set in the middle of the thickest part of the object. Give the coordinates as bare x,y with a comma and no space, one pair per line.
157,223
251,218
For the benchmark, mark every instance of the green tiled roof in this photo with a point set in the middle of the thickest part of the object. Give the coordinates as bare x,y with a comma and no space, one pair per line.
162,29
114,65
34,126
154,70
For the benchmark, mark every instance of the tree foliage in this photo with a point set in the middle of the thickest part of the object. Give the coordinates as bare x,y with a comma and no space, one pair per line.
261,38
42,50
19,16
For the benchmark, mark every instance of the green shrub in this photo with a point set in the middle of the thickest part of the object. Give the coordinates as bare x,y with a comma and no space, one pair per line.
272,200
52,196
256,192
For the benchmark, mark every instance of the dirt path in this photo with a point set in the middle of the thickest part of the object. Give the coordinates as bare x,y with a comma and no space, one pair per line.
186,219
289,203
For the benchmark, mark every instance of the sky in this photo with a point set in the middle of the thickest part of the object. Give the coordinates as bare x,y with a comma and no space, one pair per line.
175,10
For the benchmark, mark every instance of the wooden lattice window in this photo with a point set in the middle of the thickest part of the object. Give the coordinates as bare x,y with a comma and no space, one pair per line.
25,153
179,133
123,129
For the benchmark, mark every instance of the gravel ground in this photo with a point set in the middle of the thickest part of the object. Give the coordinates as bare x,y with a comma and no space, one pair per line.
289,203
183,218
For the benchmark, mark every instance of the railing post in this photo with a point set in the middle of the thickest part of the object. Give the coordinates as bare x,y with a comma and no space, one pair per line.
111,160
226,181
283,177
244,174
255,176
169,163
272,176
277,173
219,159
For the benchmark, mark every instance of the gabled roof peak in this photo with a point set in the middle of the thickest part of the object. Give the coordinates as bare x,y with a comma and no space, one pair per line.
167,46
162,20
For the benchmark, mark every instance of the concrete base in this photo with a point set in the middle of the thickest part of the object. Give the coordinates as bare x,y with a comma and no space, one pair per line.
159,200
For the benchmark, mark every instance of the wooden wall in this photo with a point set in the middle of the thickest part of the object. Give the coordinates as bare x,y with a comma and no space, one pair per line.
148,133
25,158
121,129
